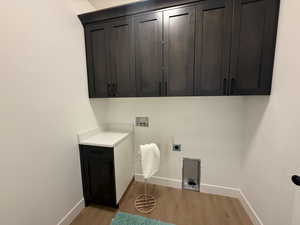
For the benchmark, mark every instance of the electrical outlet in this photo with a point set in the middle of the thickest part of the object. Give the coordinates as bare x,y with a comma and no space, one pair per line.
176,148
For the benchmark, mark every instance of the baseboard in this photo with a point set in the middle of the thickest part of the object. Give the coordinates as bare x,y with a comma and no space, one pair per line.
250,210
204,188
70,216
209,189
163,181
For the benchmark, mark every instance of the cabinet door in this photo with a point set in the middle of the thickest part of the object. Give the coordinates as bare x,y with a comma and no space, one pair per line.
100,177
97,60
148,54
179,33
213,33
121,57
253,44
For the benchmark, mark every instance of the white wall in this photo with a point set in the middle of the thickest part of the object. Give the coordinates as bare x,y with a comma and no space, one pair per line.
210,128
43,103
101,4
82,6
272,130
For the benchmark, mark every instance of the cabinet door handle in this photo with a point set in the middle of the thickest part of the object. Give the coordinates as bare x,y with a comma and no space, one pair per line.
108,89
231,85
112,89
115,89
166,88
225,86
159,88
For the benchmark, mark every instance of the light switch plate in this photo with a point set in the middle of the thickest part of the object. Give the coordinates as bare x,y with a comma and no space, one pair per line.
142,121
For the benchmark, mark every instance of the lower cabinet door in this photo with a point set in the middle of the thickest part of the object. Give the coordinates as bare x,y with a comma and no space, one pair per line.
99,177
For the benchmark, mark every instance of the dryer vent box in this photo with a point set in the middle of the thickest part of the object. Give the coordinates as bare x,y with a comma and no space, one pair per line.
191,174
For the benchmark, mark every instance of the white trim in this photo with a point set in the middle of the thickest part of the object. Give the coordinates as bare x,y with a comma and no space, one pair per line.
250,210
70,216
220,190
210,189
163,181
204,188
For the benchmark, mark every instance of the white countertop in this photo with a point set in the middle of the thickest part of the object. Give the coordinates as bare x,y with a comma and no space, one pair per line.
104,139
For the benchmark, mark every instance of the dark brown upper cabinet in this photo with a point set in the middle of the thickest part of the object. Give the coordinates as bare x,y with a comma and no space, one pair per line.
97,60
110,58
213,39
179,47
253,46
121,60
148,54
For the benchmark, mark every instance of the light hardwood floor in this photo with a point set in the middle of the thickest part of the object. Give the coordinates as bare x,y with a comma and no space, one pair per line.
175,206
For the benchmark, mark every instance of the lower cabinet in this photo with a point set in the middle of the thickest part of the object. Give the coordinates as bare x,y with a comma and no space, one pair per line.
106,173
98,175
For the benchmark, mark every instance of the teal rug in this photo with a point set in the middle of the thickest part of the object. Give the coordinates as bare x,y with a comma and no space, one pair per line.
129,219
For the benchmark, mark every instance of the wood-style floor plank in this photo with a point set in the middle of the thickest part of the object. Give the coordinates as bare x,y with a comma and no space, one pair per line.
175,206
